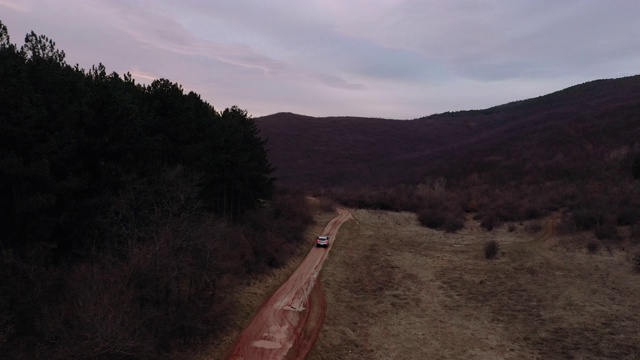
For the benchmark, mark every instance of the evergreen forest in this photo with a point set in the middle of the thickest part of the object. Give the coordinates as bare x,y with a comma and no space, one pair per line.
126,210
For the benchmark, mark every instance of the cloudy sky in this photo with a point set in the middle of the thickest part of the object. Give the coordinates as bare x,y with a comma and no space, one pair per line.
398,59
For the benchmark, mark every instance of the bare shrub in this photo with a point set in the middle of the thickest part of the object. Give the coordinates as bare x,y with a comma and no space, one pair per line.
593,246
442,211
531,211
533,228
453,224
491,249
432,218
586,219
28,289
628,216
98,318
566,225
634,232
508,209
161,291
490,222
6,327
271,235
327,204
394,199
635,167
636,263
607,231
177,284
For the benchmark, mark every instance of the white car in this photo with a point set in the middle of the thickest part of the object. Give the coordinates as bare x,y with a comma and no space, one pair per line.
322,241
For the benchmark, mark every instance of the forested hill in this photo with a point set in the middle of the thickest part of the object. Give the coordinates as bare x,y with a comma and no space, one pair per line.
576,151
72,141
593,118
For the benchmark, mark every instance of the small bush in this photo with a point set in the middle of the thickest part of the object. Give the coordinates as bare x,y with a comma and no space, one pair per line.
593,246
566,225
586,219
491,249
636,263
628,216
432,218
490,222
327,204
531,212
635,167
453,224
508,210
533,228
607,231
635,232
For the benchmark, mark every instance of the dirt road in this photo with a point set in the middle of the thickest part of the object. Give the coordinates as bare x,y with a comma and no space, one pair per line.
288,323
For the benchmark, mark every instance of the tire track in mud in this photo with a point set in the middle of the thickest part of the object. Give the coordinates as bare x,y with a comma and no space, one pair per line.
288,323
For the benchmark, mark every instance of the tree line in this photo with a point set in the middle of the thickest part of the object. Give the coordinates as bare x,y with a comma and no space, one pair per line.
72,140
128,212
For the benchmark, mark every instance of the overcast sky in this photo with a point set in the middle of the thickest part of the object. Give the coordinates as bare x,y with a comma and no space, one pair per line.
395,59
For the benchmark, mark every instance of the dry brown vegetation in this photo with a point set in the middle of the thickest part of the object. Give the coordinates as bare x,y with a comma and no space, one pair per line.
167,295
569,133
397,290
575,149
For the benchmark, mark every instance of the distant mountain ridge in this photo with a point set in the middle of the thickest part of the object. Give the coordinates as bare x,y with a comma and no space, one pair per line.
595,117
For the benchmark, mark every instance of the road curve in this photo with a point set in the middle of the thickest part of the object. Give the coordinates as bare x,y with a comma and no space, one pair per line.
278,330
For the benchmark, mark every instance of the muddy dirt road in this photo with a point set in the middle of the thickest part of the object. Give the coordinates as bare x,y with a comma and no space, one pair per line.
288,323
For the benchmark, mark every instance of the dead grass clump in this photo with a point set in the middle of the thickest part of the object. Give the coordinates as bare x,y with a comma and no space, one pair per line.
491,249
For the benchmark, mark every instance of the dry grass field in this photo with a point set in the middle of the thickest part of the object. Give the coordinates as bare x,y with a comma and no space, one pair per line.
396,290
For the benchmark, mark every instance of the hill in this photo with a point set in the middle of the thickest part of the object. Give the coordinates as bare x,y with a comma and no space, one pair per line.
594,118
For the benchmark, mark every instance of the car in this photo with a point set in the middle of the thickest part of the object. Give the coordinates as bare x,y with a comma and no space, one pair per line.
322,241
